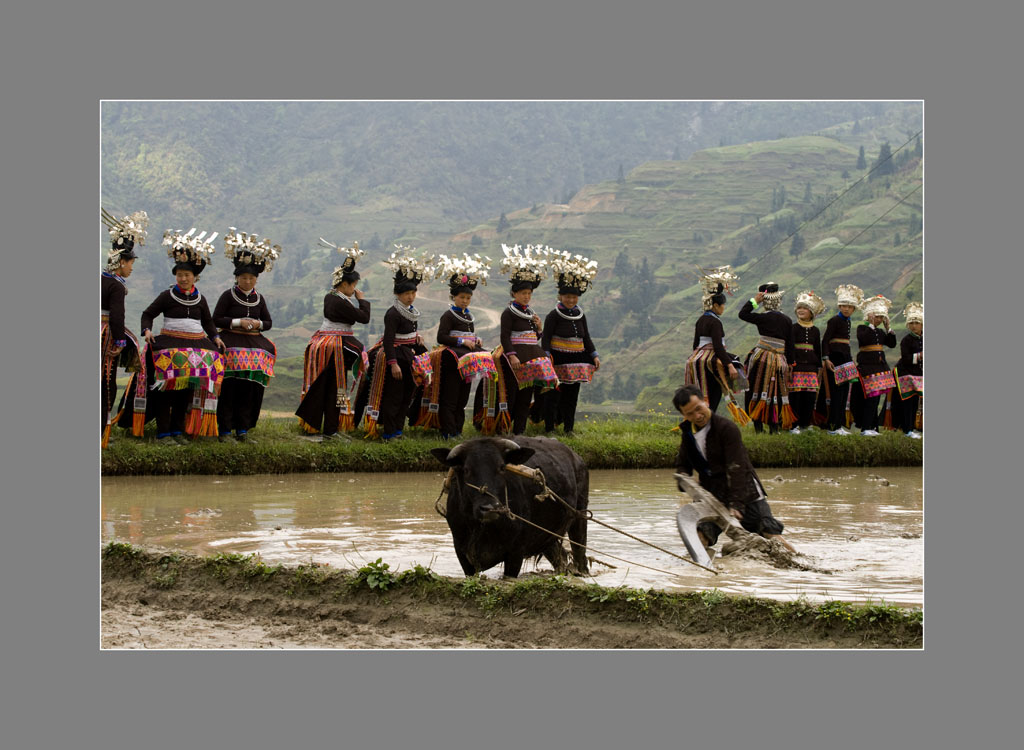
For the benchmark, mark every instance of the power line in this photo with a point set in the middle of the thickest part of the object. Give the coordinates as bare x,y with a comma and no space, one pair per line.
644,349
824,208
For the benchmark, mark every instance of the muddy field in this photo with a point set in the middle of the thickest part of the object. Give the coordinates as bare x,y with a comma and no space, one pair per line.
158,600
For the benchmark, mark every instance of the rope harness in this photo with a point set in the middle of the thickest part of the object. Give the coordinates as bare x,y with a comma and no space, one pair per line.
547,493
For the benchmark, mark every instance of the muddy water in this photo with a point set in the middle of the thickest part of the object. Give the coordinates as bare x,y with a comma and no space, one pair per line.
867,532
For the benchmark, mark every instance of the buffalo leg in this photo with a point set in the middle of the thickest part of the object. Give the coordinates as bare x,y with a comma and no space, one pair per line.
555,554
578,528
513,566
467,567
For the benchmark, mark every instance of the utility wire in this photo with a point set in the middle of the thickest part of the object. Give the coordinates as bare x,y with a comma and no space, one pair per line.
902,200
824,208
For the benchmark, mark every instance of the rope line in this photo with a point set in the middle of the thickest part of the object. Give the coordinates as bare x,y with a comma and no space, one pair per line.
547,492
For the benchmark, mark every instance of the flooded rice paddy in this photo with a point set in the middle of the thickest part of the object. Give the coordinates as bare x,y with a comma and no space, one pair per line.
863,525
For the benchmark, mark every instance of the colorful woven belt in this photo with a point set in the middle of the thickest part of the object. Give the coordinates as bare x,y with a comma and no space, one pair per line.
871,348
181,334
524,337
566,345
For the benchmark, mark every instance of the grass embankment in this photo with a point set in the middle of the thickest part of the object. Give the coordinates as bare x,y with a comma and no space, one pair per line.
521,611
604,443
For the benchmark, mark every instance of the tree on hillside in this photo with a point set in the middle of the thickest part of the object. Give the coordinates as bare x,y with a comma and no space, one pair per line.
856,128
918,152
740,259
884,165
475,240
676,156
374,243
622,268
503,223
798,245
807,193
897,240
846,174
862,163
621,179
778,198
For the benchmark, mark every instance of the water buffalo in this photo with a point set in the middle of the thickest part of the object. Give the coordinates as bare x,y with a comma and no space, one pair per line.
483,536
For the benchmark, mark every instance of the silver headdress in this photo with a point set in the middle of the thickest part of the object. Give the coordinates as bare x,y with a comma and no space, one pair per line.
463,273
527,264
130,227
124,234
348,266
409,270
574,273
811,301
877,305
771,300
190,248
716,281
914,312
848,294
244,249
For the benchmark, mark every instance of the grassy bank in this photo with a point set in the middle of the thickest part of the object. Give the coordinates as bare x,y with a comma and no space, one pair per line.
521,612
603,443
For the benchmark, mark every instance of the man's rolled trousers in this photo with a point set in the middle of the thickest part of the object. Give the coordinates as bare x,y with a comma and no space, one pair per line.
724,470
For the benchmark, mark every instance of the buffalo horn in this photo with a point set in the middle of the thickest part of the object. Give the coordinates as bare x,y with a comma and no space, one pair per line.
508,445
456,452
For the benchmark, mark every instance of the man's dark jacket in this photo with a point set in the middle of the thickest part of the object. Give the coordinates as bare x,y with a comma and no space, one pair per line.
727,472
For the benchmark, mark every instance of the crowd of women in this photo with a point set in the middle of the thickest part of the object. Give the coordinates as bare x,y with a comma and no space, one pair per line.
203,374
796,378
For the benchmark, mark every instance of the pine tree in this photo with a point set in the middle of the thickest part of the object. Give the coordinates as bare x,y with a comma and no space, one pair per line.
798,245
883,165
621,179
862,163
740,259
918,151
807,193
503,223
622,268
676,156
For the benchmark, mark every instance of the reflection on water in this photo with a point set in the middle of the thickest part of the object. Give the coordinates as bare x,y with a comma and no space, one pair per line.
868,532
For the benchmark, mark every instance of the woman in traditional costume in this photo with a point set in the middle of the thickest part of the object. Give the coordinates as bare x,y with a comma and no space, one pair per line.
399,362
335,360
118,345
522,362
803,389
183,363
460,359
567,341
242,316
875,376
767,364
840,369
710,367
909,373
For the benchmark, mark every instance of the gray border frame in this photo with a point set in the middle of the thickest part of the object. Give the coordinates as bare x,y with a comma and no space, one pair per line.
60,61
